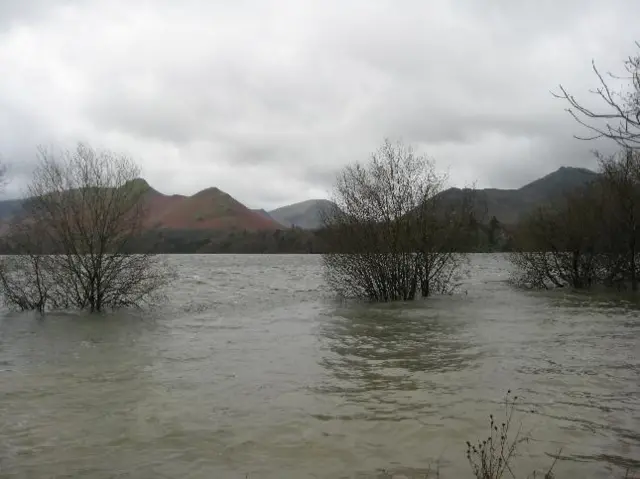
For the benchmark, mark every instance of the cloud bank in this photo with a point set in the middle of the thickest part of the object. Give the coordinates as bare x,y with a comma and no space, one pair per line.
267,100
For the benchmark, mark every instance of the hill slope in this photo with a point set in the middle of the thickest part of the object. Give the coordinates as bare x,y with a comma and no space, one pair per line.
266,214
509,205
8,208
210,210
305,214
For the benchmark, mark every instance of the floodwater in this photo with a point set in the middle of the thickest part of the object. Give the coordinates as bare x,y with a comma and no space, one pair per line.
253,370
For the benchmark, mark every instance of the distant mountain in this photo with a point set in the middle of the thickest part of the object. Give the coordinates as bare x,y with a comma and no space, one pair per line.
213,221
266,214
208,210
8,208
305,214
509,206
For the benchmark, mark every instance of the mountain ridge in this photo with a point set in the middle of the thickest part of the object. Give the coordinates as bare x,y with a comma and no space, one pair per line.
508,205
212,209
304,214
208,209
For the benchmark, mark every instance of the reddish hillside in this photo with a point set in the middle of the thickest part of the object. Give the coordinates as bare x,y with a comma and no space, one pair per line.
210,209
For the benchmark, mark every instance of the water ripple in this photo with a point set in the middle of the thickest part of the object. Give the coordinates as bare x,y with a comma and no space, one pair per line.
254,369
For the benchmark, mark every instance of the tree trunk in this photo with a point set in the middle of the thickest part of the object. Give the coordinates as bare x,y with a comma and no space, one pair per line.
426,280
632,265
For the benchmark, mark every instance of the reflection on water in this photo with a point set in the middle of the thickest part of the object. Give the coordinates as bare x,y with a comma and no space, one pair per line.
253,369
376,351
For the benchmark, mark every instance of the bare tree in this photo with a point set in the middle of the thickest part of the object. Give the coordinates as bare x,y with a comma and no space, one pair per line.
26,274
591,237
83,210
620,183
619,119
386,238
560,244
446,228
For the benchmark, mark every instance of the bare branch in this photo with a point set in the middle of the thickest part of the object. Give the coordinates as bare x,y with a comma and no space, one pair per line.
590,238
389,236
84,209
620,118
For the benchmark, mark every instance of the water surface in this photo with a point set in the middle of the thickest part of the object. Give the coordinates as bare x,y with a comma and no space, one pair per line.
253,368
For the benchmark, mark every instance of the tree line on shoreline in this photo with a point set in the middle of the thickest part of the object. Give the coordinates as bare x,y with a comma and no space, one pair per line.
391,234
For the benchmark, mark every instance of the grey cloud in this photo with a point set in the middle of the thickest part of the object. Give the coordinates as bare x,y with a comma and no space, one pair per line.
268,101
17,12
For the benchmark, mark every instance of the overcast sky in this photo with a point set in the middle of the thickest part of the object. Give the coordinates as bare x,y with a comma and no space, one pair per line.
267,99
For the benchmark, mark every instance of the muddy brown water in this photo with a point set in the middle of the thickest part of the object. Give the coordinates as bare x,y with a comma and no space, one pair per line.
253,369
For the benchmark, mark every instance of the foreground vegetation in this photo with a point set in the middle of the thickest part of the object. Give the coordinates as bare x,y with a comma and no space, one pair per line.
496,455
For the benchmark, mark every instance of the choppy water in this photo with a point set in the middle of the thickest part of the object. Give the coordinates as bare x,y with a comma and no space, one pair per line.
253,369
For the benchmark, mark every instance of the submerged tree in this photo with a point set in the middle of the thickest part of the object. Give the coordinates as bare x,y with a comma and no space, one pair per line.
559,244
26,276
83,210
619,117
591,237
389,235
620,228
